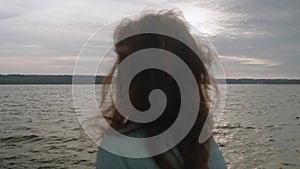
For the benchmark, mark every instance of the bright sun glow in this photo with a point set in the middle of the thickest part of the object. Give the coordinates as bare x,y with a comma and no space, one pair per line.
205,20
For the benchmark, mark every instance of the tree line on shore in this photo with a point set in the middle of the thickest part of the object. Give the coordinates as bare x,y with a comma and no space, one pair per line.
50,79
88,79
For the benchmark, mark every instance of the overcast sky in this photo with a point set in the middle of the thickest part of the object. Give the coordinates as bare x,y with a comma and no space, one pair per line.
254,38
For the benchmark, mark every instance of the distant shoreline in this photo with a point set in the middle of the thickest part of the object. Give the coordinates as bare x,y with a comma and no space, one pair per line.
86,79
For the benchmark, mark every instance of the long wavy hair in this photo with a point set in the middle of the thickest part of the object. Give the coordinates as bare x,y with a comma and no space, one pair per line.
194,155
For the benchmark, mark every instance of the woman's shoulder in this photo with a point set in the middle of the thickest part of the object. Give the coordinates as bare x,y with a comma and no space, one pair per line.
216,159
108,160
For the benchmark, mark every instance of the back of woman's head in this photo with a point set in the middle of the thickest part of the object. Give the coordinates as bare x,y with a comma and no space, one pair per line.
194,154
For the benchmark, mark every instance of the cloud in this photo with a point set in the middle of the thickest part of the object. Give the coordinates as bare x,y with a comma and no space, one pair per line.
250,61
47,31
55,65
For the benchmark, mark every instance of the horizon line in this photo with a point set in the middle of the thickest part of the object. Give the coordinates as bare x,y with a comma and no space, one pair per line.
19,74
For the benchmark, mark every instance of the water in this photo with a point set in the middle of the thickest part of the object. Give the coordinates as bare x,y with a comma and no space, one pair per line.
260,127
39,128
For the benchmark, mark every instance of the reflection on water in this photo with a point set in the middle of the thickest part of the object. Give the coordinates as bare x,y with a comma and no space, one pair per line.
39,128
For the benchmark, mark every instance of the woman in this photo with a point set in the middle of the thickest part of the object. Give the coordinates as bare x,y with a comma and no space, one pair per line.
188,153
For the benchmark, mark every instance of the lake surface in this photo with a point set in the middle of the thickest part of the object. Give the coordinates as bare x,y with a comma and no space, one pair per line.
39,128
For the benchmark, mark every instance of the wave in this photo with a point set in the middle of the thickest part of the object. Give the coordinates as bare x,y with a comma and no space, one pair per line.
21,138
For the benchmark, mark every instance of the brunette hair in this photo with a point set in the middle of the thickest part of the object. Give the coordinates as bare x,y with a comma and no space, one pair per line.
194,155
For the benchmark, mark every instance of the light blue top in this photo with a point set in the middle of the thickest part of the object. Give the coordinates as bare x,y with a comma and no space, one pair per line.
107,160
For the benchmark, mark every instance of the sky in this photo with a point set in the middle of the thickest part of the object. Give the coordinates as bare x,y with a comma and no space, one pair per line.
253,38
